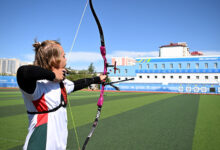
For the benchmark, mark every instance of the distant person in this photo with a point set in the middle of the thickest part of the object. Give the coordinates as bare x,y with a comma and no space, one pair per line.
44,89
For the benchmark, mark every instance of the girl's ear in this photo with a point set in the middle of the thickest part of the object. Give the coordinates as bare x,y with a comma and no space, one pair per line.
55,62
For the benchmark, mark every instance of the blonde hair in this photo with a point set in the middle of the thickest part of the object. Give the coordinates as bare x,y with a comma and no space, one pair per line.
47,54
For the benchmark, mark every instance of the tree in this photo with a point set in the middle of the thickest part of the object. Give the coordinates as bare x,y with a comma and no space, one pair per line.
91,69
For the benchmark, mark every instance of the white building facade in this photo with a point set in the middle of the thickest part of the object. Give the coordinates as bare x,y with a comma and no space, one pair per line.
10,66
174,50
176,70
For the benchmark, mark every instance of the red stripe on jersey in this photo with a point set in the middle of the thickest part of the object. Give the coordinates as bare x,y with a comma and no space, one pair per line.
63,92
41,105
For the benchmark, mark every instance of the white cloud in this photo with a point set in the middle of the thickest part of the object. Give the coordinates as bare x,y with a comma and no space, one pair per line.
96,57
211,52
135,54
83,57
28,58
81,60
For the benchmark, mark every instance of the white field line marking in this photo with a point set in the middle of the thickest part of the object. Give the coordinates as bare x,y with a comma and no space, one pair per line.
11,140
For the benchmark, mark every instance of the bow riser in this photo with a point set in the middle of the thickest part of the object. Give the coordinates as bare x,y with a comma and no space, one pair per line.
101,97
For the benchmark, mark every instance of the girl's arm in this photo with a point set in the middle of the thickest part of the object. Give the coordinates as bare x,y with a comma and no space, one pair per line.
82,83
28,75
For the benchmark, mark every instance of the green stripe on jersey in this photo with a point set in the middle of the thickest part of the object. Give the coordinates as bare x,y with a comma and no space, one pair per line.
38,138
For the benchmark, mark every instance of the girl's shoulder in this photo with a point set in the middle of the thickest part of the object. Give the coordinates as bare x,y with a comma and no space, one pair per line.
47,85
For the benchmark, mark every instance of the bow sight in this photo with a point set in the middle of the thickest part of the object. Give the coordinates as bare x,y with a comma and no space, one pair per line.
114,66
111,83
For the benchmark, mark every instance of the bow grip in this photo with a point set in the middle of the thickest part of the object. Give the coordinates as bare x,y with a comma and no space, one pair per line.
101,98
103,51
100,101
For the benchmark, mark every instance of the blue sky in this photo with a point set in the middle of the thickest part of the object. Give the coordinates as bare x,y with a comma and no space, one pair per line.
133,28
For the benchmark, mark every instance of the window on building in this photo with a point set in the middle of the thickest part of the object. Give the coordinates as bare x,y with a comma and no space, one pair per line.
163,66
180,66
155,77
126,71
188,65
212,89
155,66
164,77
148,77
216,77
180,77
206,77
140,77
188,77
140,66
148,66
197,65
197,77
171,66
206,65
215,65
171,77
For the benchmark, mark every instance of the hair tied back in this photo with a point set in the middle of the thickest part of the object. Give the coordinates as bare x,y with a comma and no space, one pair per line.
37,45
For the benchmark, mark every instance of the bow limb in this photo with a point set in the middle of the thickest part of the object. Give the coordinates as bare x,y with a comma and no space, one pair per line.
102,50
103,53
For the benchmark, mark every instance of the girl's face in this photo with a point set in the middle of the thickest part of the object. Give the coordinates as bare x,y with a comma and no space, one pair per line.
63,58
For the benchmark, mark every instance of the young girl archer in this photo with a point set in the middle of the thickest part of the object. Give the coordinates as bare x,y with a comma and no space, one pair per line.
44,89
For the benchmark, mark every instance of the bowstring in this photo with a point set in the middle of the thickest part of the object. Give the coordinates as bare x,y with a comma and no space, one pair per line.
77,31
73,43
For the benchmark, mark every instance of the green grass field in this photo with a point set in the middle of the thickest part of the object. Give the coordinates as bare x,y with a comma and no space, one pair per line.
129,121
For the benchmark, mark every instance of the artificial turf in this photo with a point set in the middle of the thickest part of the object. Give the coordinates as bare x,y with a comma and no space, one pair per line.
207,131
164,124
129,121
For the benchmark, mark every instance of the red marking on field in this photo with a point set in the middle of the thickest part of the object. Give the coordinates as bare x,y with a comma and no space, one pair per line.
7,88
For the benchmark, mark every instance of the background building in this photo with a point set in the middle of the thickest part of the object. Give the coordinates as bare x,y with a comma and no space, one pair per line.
176,70
123,61
10,65
174,50
8,69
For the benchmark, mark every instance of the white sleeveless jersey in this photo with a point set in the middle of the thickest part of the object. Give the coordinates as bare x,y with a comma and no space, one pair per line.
47,131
